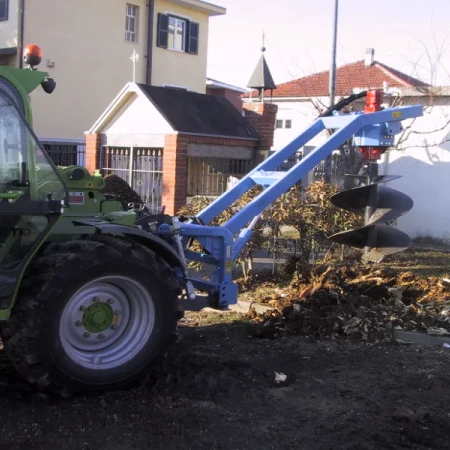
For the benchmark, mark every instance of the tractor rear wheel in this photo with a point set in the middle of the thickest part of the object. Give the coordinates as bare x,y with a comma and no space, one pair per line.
93,315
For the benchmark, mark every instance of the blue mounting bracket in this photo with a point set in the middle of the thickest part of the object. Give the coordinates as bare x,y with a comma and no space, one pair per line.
224,244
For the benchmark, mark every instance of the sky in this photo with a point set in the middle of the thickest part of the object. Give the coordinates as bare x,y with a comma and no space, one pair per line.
299,33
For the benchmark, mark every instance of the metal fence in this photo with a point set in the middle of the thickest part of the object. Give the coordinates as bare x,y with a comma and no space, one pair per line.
141,168
212,176
337,170
66,153
289,163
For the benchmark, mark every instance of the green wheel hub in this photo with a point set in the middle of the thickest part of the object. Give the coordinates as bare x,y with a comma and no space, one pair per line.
98,317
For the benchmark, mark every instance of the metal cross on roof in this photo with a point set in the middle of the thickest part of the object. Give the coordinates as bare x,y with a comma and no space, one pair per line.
135,58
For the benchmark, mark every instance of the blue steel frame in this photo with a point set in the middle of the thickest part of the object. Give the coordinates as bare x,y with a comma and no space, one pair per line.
225,243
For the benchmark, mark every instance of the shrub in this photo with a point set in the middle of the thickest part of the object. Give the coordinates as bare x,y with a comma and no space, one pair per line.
308,211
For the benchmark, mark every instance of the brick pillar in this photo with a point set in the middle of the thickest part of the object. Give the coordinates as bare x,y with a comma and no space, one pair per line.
175,169
93,149
262,117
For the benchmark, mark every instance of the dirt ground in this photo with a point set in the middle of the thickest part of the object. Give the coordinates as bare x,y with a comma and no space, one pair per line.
217,390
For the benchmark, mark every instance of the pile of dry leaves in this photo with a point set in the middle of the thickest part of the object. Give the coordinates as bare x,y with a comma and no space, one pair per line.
355,301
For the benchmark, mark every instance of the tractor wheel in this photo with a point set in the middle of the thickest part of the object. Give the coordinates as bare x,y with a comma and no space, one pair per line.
93,314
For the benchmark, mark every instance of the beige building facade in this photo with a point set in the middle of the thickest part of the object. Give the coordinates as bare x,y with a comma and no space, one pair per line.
87,46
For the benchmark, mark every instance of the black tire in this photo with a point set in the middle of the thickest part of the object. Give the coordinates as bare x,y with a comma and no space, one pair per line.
31,336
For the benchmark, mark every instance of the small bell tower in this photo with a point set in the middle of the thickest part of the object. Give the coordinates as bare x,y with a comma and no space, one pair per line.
261,78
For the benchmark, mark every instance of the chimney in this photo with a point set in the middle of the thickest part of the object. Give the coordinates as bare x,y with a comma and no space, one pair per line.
370,53
261,117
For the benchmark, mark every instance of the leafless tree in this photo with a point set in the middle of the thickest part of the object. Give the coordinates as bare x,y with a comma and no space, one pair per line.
428,65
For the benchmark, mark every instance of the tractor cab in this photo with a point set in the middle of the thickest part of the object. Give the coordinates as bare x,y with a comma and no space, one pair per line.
32,193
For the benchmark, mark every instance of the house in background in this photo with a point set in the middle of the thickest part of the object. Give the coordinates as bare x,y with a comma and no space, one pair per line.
179,43
300,101
422,153
87,48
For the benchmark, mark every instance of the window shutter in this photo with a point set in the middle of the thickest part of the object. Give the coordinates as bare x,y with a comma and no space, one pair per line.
163,30
4,9
193,38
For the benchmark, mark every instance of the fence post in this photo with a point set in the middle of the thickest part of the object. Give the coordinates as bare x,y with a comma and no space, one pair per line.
131,167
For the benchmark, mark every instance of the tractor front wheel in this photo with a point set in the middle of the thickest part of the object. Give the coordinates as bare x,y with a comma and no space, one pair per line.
93,315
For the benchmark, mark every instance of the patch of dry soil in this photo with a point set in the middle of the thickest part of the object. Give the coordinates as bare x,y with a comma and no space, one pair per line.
216,390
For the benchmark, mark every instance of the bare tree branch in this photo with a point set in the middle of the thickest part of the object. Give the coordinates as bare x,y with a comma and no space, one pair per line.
433,58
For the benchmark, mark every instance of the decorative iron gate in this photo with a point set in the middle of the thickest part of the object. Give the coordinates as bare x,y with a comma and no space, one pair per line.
66,153
141,168
211,176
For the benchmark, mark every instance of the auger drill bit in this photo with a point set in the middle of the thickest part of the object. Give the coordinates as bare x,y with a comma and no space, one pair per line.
378,205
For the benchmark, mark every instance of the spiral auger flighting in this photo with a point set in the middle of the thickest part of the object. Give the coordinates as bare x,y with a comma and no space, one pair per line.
377,203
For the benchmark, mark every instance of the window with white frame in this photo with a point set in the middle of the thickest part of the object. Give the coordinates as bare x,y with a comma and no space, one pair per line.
131,22
4,6
177,34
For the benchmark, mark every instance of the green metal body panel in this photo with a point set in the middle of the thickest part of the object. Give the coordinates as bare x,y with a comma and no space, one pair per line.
87,201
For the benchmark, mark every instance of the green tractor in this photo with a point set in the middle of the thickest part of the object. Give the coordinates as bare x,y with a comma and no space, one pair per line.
89,300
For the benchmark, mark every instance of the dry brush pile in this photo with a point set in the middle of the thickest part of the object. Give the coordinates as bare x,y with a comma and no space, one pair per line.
353,300
307,210
336,296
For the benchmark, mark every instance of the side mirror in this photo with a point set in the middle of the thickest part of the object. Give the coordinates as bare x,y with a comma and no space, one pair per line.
49,85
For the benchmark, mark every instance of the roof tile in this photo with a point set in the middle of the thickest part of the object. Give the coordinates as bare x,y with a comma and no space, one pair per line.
348,77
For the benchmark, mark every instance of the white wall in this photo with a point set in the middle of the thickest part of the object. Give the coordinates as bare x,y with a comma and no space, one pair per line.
424,165
138,116
302,114
135,122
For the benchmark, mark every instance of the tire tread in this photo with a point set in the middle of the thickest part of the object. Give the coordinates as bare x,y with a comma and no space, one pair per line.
21,332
